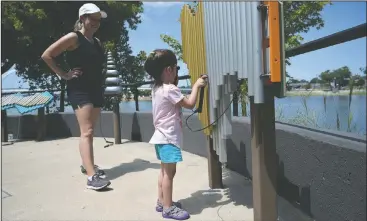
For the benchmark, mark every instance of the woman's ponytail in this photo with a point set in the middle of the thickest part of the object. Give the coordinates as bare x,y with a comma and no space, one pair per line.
78,25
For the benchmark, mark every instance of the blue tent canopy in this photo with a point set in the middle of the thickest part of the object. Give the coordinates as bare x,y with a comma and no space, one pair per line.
26,104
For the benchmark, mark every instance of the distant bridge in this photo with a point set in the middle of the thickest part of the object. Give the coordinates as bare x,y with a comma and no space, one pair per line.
183,90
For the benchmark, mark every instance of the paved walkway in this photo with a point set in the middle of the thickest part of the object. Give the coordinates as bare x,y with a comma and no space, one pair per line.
42,181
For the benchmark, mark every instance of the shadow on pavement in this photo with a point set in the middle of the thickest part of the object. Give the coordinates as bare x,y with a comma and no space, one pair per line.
237,190
136,165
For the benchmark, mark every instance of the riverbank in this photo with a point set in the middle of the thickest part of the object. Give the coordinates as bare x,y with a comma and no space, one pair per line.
324,93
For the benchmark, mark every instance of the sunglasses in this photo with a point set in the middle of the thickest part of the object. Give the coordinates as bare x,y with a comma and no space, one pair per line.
177,67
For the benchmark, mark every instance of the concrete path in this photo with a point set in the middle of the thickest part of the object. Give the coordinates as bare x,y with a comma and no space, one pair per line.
42,181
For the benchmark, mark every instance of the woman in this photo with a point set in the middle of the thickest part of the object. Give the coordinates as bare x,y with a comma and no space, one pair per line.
85,57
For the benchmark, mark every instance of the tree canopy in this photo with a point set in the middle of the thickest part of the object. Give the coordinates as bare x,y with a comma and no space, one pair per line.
363,70
342,77
28,28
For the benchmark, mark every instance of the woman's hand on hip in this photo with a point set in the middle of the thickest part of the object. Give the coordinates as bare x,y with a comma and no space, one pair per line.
74,73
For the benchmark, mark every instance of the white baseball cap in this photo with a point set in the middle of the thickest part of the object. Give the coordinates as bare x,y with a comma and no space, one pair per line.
90,8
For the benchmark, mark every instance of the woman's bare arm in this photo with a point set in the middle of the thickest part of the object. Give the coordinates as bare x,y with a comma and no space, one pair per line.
66,42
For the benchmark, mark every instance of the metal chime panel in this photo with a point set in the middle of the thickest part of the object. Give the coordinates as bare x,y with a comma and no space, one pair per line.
233,50
193,45
113,81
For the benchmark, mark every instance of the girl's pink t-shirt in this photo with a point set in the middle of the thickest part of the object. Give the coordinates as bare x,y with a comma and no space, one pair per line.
167,115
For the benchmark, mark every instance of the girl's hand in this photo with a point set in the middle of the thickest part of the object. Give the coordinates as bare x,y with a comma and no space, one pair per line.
201,81
74,73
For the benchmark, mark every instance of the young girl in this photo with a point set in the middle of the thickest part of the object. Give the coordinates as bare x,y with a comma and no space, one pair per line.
167,101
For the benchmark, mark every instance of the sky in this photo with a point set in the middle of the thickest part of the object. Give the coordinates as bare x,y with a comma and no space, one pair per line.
163,18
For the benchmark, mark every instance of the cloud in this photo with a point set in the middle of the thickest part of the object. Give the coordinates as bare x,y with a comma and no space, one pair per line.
161,4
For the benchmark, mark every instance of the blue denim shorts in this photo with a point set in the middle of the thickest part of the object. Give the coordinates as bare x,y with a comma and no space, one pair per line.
168,153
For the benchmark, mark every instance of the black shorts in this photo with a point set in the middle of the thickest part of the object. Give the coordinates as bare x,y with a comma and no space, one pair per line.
78,98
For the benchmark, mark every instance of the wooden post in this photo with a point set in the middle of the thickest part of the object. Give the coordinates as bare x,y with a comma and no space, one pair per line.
116,121
62,96
235,103
41,124
136,98
214,167
264,165
4,126
263,142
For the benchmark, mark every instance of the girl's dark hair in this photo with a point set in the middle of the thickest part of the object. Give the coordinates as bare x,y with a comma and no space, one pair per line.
157,61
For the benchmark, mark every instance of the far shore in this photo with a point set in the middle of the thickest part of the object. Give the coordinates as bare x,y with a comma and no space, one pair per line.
295,93
324,93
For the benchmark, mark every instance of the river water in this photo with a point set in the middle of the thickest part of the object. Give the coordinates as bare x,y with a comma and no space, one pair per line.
332,113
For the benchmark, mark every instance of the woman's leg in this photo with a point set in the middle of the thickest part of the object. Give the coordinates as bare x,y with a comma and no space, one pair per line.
84,116
95,114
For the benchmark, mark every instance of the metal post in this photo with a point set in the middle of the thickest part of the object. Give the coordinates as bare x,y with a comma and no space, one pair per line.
116,122
4,126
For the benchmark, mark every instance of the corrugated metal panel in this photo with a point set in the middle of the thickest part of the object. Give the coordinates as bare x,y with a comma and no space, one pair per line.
194,52
232,44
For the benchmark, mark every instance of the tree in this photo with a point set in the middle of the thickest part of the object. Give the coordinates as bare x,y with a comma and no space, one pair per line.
363,70
341,76
136,70
326,76
358,80
174,44
130,67
314,80
308,86
28,28
299,18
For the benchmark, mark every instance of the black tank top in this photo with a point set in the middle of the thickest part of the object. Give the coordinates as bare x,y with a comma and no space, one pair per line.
90,58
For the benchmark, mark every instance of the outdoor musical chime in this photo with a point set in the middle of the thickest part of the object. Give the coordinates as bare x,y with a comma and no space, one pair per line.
113,81
114,89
